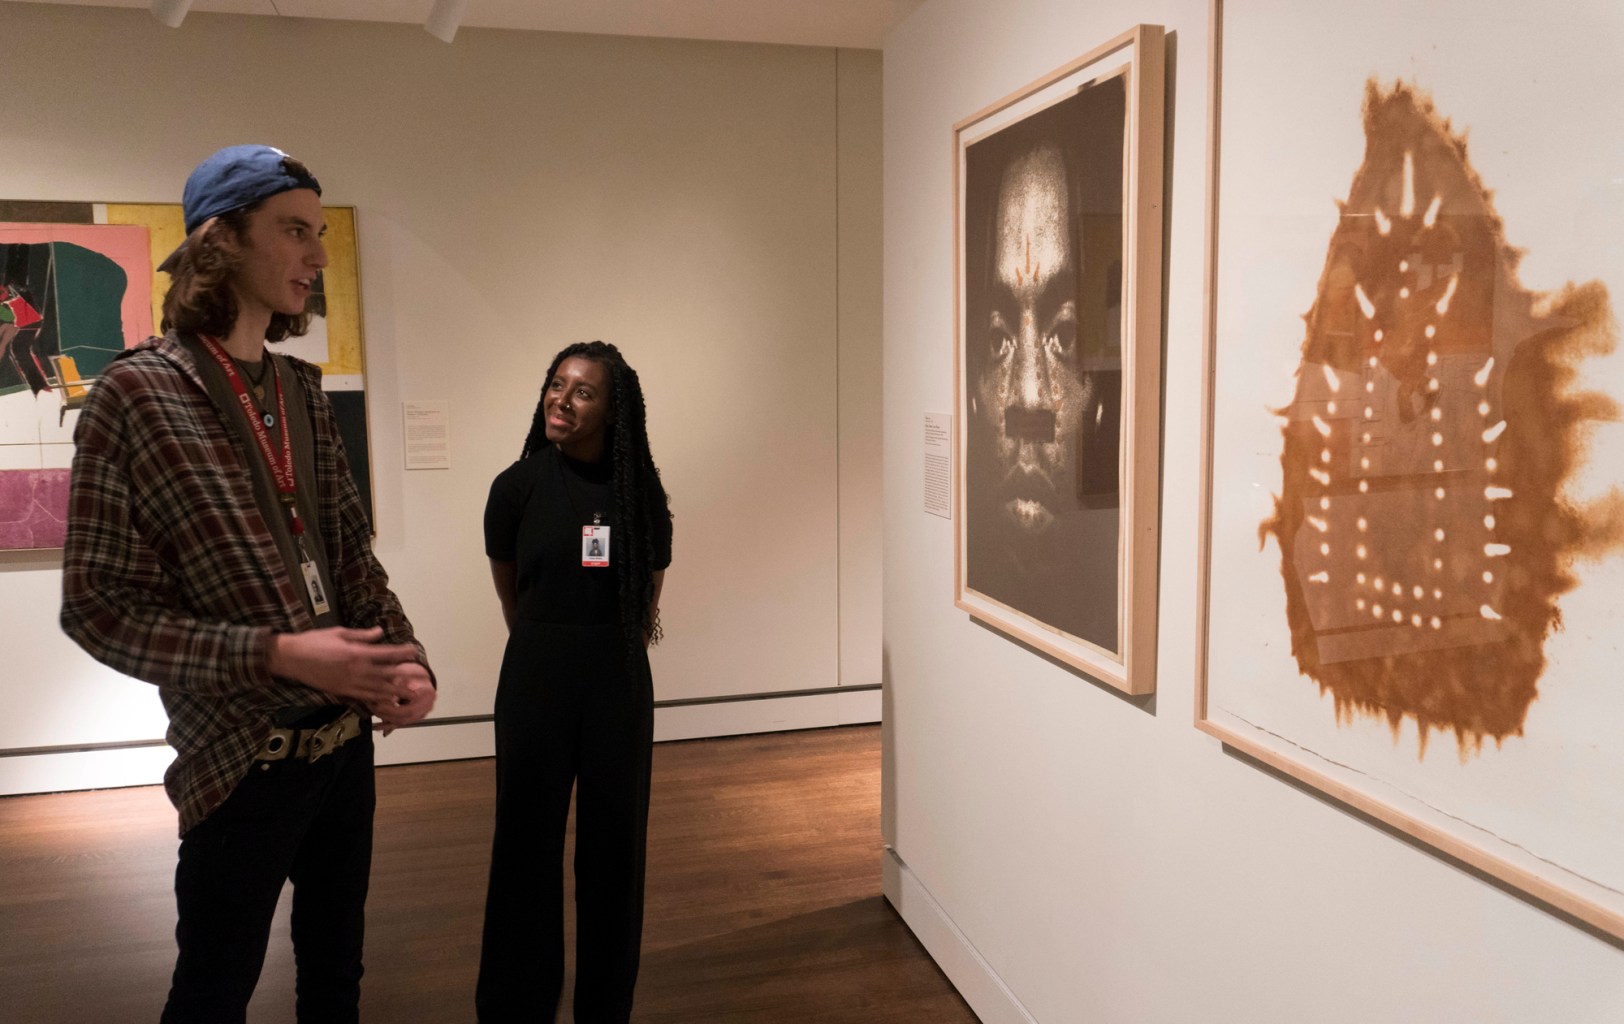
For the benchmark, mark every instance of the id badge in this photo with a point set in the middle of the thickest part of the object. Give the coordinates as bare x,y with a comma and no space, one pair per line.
318,593
594,546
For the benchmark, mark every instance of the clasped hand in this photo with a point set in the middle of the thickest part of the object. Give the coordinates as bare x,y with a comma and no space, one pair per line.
352,664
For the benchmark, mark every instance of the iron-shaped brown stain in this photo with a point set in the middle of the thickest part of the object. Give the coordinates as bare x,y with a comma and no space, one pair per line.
1438,416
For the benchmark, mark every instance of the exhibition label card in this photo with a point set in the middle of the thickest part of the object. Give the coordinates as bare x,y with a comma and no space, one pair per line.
428,434
939,464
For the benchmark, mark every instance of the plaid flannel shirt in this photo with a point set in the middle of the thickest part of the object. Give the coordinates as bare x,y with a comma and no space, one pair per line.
171,575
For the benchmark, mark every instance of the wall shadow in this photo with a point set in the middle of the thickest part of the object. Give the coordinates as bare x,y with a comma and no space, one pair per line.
1425,848
1145,702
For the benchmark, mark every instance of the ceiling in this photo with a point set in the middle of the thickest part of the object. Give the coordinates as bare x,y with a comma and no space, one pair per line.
844,23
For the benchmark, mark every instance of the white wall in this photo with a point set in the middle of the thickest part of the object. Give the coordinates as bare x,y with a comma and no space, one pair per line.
1071,855
711,208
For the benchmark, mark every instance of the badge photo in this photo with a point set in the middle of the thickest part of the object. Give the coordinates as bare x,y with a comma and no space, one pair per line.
595,547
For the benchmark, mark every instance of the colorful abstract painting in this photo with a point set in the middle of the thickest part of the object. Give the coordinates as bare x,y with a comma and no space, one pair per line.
77,285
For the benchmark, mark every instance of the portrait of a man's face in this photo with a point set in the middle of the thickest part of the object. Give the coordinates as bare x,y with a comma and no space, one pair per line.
1029,392
1043,362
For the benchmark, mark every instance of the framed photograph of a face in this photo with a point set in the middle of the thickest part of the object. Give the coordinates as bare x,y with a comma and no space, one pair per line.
1057,361
1414,593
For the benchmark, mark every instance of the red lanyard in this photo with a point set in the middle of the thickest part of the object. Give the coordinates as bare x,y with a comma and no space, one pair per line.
281,470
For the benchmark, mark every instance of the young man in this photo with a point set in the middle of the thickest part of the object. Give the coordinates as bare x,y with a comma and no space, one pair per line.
217,547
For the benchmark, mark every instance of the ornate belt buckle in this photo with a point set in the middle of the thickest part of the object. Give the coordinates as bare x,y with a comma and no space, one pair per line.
320,745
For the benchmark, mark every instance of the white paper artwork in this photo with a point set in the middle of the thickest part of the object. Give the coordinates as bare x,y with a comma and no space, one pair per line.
1416,581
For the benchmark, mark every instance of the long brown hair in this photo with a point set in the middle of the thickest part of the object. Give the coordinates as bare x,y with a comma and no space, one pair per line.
200,299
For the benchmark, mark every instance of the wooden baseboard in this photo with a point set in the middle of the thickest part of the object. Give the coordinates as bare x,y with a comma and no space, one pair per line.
988,996
769,714
114,766
83,769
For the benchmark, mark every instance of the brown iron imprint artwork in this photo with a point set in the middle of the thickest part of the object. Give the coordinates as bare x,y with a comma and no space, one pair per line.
1439,413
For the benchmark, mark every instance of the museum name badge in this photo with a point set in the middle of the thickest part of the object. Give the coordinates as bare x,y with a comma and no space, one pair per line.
595,547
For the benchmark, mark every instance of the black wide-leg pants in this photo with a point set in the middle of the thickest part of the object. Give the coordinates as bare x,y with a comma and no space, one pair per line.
570,712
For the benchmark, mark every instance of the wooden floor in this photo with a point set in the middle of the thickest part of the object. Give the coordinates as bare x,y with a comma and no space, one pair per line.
763,896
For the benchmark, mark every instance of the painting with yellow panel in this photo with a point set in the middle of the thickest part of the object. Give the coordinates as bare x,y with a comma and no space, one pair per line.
80,284
346,354
165,231
340,296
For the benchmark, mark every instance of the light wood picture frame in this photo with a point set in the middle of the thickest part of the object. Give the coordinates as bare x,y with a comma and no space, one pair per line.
1411,574
1058,207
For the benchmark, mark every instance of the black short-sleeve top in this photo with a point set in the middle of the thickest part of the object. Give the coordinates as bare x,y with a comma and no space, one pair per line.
533,518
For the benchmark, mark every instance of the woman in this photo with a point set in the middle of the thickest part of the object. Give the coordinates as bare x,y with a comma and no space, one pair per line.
579,534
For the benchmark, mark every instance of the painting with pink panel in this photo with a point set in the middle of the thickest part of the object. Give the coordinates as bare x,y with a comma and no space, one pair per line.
78,285
72,295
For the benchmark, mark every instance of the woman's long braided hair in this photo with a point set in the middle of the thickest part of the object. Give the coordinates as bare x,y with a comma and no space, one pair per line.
641,508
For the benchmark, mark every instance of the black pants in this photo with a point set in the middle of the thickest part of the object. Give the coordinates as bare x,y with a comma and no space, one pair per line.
569,711
305,821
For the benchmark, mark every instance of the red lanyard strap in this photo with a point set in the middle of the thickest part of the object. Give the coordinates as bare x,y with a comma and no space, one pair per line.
281,469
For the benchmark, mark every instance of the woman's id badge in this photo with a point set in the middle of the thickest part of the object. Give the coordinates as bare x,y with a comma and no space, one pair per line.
594,546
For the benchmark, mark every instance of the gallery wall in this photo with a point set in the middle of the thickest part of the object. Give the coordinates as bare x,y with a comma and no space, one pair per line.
711,208
1068,853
